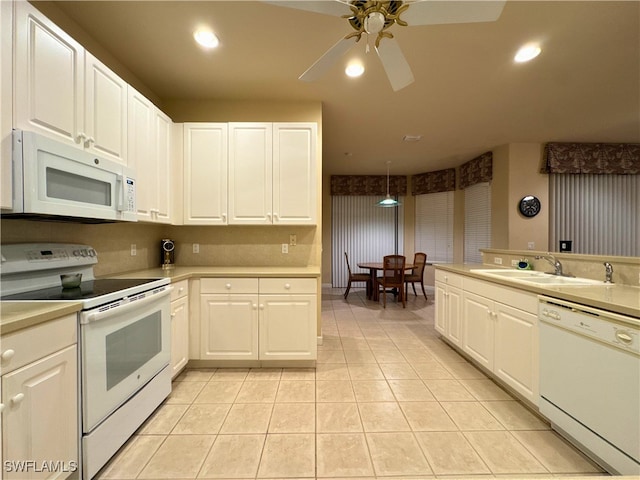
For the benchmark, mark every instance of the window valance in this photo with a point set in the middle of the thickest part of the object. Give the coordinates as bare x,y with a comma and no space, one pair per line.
595,158
368,185
433,182
478,170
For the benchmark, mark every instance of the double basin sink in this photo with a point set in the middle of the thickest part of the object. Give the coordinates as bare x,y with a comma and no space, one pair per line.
535,278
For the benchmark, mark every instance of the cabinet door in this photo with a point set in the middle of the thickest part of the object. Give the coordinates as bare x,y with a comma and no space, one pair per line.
105,111
250,173
288,327
41,404
162,159
454,315
229,327
516,353
49,77
478,317
179,334
140,150
294,173
6,104
441,310
205,173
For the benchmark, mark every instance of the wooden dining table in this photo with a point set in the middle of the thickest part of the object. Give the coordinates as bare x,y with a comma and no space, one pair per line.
373,267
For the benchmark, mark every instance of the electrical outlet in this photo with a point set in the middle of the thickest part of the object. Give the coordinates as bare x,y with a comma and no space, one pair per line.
196,248
514,263
531,245
285,248
134,251
293,240
497,260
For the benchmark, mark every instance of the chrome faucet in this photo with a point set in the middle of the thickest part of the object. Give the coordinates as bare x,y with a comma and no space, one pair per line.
553,261
608,272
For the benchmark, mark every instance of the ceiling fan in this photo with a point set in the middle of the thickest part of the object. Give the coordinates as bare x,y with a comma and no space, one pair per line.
376,17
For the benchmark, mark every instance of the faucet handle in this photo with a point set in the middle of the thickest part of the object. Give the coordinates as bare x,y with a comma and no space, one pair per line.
608,272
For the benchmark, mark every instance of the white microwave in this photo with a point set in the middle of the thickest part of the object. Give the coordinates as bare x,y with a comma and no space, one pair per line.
54,179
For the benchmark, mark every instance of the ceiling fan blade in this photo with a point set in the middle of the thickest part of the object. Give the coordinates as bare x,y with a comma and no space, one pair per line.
336,8
394,63
318,69
427,12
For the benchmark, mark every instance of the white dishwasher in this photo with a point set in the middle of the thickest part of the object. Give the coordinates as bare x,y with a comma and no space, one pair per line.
590,381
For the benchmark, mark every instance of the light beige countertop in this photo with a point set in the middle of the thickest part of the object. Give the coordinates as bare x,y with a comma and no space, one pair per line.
622,299
15,316
178,273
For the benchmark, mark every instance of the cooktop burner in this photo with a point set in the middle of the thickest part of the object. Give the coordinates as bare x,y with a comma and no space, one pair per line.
86,290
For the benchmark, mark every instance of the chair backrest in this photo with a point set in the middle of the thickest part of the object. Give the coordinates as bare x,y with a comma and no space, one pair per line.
346,257
393,269
419,260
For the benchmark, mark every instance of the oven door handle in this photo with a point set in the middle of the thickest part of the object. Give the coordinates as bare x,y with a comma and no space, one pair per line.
97,316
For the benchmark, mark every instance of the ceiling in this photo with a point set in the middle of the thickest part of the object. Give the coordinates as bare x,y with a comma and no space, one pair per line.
468,96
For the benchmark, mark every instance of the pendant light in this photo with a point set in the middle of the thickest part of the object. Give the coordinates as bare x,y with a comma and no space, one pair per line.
388,201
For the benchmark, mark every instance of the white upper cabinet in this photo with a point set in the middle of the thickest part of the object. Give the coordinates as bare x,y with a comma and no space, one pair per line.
294,173
49,73
105,111
250,173
63,92
149,148
205,173
6,104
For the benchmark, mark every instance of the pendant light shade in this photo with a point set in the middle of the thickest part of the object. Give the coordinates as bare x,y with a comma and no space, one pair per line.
388,201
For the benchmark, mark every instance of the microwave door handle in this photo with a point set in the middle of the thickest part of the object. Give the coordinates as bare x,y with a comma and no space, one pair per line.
120,192
98,316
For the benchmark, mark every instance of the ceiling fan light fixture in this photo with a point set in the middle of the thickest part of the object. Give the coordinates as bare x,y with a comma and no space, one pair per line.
354,69
527,52
374,22
206,38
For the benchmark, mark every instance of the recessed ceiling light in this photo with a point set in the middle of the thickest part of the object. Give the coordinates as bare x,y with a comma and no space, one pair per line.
354,69
206,38
412,138
528,52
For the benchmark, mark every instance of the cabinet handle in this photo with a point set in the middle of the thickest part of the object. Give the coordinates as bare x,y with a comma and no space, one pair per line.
17,399
275,217
81,137
90,140
173,315
262,306
8,355
269,216
228,286
287,286
181,289
224,217
255,306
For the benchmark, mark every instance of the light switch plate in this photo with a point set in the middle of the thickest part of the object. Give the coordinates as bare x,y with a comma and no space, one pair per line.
285,248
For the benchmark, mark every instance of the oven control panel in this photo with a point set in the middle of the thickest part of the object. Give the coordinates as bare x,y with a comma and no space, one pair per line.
33,257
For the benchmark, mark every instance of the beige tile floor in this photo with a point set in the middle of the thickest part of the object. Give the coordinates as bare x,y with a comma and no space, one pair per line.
388,399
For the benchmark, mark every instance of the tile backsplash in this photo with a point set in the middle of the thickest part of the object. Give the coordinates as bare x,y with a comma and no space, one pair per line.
220,245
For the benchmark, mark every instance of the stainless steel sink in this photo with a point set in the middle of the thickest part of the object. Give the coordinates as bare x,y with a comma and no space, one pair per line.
535,278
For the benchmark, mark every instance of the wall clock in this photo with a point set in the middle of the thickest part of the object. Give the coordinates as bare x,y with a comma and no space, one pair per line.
529,206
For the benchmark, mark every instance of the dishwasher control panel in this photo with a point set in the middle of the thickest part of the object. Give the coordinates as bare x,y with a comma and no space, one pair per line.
600,325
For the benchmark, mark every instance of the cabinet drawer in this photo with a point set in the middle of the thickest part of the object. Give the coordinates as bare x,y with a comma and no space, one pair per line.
449,278
36,342
510,296
180,289
288,285
229,285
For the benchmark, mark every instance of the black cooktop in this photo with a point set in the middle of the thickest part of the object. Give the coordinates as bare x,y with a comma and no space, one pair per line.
86,290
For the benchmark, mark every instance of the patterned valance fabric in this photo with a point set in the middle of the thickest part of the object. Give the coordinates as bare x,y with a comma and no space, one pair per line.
368,185
433,182
595,158
478,170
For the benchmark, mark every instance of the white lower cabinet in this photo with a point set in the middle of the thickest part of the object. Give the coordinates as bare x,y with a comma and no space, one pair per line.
448,321
494,325
179,327
40,401
258,319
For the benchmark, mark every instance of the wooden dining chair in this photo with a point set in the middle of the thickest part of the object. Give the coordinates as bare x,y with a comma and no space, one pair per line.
417,274
392,277
355,277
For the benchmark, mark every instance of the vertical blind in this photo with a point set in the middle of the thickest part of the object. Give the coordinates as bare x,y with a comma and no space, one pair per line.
598,213
434,226
366,232
477,221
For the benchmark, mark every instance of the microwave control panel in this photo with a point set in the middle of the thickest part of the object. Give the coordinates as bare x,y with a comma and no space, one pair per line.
130,193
